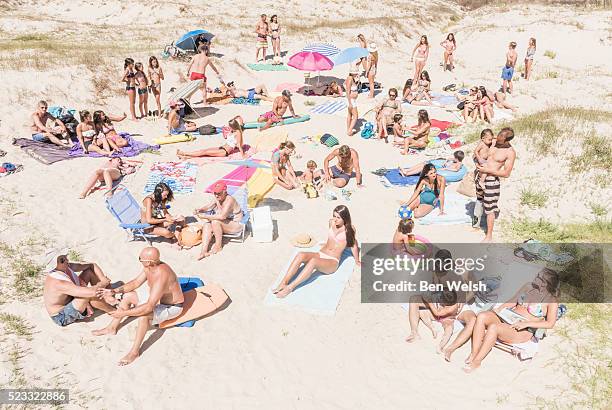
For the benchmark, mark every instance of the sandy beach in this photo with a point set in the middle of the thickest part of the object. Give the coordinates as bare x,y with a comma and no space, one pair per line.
250,355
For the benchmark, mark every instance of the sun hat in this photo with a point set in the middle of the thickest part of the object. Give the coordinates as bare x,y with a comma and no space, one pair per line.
372,48
51,257
219,187
303,240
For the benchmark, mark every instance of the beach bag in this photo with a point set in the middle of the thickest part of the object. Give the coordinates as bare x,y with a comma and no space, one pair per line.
190,236
368,130
461,105
467,186
329,140
310,191
207,129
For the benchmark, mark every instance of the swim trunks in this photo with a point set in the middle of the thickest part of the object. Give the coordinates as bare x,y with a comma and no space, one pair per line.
197,76
40,137
489,195
161,312
271,115
69,314
338,173
251,93
507,73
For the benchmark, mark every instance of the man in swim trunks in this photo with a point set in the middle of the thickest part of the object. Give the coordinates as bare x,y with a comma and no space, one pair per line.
69,297
259,92
176,124
46,128
347,167
161,300
261,29
197,69
279,108
499,164
508,70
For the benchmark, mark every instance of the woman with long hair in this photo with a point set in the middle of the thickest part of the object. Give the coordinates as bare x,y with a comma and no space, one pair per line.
529,57
450,45
233,142
429,192
156,76
372,66
385,113
143,90
422,52
104,125
155,212
420,133
363,44
341,235
129,78
86,134
484,103
351,87
275,30
282,170
421,95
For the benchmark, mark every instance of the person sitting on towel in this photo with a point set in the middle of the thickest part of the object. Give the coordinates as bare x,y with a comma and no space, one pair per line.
223,215
46,128
428,193
176,124
341,235
259,92
233,142
452,164
347,167
281,103
69,297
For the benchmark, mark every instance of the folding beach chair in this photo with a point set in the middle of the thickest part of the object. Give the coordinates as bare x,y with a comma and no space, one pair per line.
184,93
241,196
127,211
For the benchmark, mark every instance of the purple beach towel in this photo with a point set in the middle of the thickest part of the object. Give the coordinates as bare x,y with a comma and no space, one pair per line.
44,152
133,148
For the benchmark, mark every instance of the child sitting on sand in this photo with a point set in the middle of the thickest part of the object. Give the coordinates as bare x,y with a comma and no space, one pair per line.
481,153
444,312
398,130
451,164
312,175
403,238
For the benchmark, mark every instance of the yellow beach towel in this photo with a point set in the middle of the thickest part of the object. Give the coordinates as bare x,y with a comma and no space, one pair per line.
268,140
259,185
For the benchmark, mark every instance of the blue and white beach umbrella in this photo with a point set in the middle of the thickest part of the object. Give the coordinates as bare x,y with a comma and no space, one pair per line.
325,49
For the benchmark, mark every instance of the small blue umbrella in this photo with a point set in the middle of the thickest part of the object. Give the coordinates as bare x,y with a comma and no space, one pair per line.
350,55
187,40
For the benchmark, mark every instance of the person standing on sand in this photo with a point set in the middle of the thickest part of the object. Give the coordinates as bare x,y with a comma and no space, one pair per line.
129,78
156,75
143,90
500,162
161,300
196,70
450,45
275,30
529,57
261,29
422,52
508,70
351,87
363,61
279,107
372,66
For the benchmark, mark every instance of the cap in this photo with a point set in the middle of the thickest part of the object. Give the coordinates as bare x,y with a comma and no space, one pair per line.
219,187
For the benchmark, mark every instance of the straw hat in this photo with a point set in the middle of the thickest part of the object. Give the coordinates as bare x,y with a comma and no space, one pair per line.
51,257
372,48
303,240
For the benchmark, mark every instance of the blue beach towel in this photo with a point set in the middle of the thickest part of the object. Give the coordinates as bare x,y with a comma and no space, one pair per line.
245,101
395,178
188,284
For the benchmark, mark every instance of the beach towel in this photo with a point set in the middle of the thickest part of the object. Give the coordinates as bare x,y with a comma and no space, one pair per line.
180,177
248,150
319,295
44,152
269,140
260,183
286,120
236,178
395,178
442,125
455,211
444,99
245,101
268,67
133,148
329,107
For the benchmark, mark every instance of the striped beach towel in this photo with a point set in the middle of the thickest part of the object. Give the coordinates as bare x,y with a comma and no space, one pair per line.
180,177
329,107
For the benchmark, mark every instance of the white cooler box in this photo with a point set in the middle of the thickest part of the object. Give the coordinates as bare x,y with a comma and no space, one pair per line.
261,224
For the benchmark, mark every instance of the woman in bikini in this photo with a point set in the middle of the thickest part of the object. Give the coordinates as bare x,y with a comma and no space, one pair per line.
450,45
484,105
422,52
429,192
143,90
261,29
155,212
130,84
422,91
86,134
282,170
420,133
536,302
333,89
275,30
529,57
104,125
351,87
363,44
113,170
156,75
233,142
341,235
372,66
386,112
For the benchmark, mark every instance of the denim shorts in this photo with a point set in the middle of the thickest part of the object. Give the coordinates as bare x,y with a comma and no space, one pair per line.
67,315
40,137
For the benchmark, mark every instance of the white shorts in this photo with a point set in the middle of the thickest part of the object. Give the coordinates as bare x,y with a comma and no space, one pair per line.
161,312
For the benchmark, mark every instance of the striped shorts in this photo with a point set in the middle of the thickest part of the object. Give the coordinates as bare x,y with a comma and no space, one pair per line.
489,195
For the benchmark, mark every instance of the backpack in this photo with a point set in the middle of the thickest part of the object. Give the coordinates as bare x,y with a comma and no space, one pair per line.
207,129
367,131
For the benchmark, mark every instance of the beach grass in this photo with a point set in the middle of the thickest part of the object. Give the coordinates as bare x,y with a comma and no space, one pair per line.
14,356
16,325
597,231
596,153
533,199
550,54
23,272
598,210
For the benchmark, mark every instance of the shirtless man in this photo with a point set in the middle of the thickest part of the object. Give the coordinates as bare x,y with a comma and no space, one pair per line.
279,108
347,167
161,300
56,133
223,215
176,124
259,92
499,164
69,297
196,70
261,29
508,70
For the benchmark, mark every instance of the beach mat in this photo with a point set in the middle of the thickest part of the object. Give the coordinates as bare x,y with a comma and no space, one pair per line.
445,99
270,139
43,152
244,101
395,178
455,208
319,295
180,177
285,121
133,148
236,178
234,156
172,139
268,67
259,185
442,125
329,107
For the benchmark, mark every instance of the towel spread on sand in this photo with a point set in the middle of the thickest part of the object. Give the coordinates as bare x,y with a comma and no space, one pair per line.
268,67
320,294
44,152
456,211
329,107
245,101
270,139
133,148
395,178
237,178
248,150
445,99
180,177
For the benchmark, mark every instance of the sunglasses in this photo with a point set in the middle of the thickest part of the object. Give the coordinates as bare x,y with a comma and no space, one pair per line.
146,260
393,95
218,193
62,260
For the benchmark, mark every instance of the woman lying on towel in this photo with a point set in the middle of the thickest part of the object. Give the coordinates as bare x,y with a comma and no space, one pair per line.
233,142
429,192
341,235
156,213
533,307
104,126
259,92
112,170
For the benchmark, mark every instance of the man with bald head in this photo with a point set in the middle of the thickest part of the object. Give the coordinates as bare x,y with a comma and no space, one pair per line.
161,300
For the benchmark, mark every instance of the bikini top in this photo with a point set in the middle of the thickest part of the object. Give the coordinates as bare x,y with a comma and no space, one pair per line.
231,140
394,105
89,134
337,237
422,49
531,51
106,128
